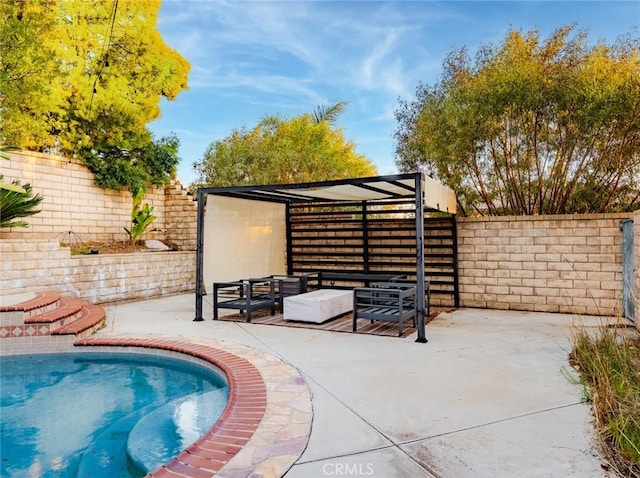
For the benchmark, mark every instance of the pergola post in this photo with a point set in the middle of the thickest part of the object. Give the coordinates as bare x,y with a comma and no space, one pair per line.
365,238
420,293
199,256
289,234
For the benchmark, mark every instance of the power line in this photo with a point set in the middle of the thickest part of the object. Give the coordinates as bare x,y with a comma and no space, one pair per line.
105,51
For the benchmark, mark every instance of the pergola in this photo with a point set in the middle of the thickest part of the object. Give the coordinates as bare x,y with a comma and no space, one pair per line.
232,224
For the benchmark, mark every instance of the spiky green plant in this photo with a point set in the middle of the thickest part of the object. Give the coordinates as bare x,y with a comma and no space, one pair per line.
17,201
141,218
5,148
4,155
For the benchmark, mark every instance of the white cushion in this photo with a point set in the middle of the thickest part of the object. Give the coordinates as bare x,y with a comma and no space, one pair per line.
318,306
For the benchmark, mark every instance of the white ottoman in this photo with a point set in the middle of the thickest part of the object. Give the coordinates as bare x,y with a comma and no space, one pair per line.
318,306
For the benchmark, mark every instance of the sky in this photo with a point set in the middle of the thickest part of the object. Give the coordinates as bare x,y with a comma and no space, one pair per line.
251,59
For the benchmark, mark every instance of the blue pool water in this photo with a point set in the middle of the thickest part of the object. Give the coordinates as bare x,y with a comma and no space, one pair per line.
101,415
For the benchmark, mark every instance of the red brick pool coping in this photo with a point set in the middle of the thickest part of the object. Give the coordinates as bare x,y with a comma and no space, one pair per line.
242,417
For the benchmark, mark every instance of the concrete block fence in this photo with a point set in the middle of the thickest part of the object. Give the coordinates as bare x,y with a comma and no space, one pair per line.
75,209
564,263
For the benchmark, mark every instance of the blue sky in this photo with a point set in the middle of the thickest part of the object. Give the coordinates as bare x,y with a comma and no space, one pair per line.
255,58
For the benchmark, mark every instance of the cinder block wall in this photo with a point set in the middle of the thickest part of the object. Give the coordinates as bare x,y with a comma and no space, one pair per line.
36,265
181,217
75,208
32,258
564,263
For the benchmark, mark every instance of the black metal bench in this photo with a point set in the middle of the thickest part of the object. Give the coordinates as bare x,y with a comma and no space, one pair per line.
390,302
409,282
288,285
244,295
347,280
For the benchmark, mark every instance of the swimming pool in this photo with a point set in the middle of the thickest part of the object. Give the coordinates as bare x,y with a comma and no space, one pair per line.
102,414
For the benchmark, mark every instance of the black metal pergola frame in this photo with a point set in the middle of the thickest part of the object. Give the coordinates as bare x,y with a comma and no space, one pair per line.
373,190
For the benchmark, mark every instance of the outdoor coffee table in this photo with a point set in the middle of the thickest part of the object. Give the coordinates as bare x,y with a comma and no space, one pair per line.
318,306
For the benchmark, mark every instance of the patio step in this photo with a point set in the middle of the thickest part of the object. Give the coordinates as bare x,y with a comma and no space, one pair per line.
28,305
68,309
50,313
91,320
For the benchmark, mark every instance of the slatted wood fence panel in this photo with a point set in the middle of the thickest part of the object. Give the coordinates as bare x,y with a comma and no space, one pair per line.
376,239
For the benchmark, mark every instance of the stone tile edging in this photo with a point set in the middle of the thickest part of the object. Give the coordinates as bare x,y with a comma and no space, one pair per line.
264,428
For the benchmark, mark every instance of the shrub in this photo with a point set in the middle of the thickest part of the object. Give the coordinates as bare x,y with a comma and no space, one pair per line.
609,368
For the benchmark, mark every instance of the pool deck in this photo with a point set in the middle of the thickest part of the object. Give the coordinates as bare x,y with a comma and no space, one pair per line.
488,396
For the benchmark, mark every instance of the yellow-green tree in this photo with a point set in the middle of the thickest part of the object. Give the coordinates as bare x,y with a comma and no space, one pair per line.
531,126
83,76
281,151
31,100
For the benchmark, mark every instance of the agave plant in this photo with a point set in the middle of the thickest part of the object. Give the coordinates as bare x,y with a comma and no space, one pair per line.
17,201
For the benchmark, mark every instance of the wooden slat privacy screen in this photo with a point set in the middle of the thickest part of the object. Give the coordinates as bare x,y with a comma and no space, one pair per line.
364,238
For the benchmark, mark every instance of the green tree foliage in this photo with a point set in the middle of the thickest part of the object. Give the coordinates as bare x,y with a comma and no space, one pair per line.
531,126
31,103
154,163
281,151
84,77
16,202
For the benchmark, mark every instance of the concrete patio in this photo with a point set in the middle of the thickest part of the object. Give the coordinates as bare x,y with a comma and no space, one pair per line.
487,396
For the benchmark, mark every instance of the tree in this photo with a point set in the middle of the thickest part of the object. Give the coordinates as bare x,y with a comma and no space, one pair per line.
80,78
280,151
329,113
31,103
152,164
531,127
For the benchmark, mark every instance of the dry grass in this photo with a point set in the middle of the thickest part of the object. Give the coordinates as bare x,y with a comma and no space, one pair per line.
608,363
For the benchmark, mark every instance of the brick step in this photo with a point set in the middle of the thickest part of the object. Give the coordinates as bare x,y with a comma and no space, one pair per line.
91,319
69,308
49,313
43,302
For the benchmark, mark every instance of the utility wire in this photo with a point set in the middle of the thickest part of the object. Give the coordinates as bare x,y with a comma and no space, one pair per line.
105,52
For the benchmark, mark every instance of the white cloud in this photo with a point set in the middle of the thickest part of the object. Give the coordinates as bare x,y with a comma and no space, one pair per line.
251,58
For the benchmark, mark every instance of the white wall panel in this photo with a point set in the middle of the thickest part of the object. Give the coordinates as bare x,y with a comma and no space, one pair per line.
243,239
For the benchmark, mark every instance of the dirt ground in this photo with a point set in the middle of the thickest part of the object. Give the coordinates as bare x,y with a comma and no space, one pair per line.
114,247
119,247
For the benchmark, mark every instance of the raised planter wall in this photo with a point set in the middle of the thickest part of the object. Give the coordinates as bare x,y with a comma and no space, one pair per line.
35,265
